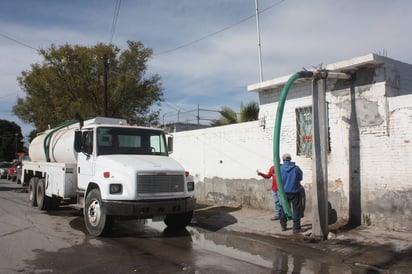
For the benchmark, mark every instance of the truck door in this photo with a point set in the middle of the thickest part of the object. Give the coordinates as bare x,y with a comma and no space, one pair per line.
85,159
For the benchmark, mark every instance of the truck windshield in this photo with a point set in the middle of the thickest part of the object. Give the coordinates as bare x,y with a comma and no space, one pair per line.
116,140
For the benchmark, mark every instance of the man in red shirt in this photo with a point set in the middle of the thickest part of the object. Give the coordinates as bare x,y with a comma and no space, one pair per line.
275,196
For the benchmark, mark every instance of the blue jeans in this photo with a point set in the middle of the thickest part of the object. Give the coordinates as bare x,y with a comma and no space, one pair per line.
294,199
276,201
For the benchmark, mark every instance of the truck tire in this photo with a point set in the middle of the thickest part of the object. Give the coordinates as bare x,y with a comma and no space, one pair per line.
32,190
178,221
43,201
98,223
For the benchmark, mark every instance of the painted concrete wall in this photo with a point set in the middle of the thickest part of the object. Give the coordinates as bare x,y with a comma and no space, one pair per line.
370,120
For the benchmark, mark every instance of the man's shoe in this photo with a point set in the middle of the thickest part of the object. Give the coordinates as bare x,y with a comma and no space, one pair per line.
274,218
297,230
283,228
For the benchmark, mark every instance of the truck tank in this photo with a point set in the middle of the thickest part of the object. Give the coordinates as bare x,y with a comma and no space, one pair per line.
55,145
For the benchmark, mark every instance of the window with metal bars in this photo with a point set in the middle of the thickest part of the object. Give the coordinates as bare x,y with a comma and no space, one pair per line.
304,131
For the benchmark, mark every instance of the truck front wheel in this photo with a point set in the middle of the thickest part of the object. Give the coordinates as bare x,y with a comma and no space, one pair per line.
98,223
32,190
178,221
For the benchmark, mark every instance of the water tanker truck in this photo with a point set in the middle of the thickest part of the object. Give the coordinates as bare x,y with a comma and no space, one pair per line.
109,170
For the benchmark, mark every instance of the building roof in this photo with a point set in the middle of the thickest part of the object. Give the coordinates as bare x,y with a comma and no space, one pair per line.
369,60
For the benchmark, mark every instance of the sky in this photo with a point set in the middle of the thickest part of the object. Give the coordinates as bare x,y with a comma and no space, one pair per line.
206,52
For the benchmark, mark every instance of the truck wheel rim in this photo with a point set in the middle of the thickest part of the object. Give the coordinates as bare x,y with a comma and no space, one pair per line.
94,213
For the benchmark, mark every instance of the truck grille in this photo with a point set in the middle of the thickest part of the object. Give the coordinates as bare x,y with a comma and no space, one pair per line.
160,183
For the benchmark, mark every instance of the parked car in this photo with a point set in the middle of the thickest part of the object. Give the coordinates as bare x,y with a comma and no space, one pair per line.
4,166
12,171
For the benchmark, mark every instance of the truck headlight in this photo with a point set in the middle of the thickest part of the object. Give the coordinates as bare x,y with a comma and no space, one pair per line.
115,188
190,186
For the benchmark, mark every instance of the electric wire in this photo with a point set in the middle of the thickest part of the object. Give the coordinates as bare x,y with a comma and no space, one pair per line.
115,17
18,42
218,31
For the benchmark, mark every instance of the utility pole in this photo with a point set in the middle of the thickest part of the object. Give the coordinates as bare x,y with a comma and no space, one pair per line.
320,149
16,144
198,114
319,156
106,68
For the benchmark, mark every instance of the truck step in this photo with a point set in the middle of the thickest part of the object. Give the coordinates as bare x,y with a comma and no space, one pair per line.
76,206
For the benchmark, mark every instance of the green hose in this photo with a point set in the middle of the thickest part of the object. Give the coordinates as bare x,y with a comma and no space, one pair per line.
47,139
276,139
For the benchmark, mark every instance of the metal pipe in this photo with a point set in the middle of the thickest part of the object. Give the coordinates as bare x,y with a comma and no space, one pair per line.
258,39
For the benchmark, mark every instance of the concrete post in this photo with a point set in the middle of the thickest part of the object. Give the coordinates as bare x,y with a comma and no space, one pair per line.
106,68
319,156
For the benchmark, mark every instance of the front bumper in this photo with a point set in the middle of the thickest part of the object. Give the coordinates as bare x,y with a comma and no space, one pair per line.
149,209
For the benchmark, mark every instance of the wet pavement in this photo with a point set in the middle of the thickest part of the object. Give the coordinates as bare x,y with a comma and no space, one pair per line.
220,239
147,247
363,249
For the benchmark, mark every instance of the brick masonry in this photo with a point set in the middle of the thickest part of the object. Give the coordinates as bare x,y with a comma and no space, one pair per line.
370,120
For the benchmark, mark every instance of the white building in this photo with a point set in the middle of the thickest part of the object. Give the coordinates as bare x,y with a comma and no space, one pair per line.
370,144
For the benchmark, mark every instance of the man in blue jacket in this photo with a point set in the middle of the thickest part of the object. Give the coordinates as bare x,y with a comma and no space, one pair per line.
292,175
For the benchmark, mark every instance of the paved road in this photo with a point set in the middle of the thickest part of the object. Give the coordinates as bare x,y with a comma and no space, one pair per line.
57,242
32,241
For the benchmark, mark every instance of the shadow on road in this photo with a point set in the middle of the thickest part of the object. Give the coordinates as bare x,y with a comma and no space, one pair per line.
9,188
213,217
144,229
128,228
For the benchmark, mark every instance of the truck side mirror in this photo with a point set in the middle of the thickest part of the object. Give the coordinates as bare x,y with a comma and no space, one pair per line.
170,144
77,141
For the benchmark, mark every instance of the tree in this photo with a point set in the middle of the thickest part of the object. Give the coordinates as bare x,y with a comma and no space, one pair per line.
32,135
228,116
10,140
249,113
72,80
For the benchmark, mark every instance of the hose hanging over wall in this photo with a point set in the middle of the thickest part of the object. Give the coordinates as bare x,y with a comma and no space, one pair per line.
276,138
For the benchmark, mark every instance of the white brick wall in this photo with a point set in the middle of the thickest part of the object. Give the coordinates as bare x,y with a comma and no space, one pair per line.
227,157
231,152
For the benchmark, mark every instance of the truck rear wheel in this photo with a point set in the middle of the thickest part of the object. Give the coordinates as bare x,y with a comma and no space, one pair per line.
98,223
32,190
43,201
178,221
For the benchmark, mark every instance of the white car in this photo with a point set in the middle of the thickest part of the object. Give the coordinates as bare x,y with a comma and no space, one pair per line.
4,166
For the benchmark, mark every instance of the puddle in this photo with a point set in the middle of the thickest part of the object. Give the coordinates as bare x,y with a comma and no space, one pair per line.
276,254
279,255
152,248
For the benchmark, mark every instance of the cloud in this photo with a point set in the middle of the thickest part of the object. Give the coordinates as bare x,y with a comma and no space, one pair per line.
211,49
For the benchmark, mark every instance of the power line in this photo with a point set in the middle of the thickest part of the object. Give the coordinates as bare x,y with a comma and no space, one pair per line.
18,42
115,17
218,31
